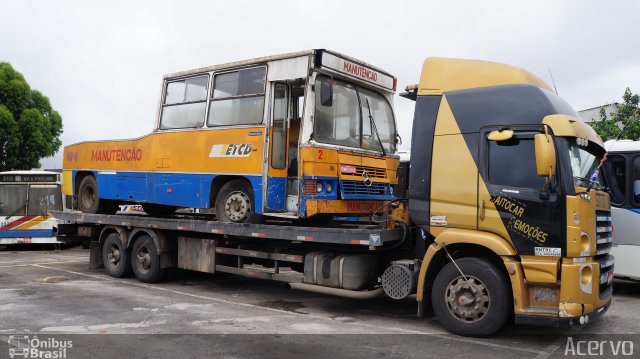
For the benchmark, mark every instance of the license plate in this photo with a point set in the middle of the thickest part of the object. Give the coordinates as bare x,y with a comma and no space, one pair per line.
610,277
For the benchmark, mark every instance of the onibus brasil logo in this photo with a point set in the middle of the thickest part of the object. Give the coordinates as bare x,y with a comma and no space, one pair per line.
24,346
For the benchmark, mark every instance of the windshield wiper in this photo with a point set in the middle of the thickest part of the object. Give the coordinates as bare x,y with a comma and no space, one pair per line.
372,123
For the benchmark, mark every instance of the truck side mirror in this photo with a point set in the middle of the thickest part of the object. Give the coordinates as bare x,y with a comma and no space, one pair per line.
326,94
545,155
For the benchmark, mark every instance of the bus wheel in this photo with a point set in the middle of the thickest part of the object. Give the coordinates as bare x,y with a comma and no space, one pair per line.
88,200
115,257
476,304
145,260
234,202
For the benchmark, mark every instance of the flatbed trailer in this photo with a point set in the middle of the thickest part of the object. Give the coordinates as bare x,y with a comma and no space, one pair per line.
196,242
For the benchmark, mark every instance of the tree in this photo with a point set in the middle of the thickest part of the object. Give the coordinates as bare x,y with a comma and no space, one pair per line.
627,118
29,127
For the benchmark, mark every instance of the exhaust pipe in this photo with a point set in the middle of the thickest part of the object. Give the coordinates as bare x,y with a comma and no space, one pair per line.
345,293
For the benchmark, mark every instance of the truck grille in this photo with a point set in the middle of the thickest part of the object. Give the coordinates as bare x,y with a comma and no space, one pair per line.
606,270
374,172
604,235
358,190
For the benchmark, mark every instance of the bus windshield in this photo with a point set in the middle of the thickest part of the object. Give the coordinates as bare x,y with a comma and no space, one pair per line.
13,199
348,120
43,198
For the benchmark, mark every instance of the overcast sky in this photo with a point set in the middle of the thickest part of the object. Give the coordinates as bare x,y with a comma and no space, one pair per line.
101,64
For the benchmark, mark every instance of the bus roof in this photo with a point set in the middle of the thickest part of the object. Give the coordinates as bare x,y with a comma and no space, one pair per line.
261,60
622,146
23,172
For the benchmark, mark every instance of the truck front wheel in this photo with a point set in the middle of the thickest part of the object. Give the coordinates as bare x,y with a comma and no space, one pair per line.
476,304
145,260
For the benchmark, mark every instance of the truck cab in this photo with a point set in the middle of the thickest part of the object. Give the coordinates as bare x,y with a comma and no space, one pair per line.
502,170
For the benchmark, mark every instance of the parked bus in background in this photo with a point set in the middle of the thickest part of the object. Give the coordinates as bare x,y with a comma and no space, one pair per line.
622,176
296,135
25,199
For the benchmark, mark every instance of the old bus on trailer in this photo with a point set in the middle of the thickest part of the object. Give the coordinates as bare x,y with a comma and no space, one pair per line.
299,135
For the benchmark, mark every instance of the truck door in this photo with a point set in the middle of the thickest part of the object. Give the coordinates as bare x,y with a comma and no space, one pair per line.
276,193
510,203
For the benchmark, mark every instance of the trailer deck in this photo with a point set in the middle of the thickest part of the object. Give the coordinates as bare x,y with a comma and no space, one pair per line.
371,237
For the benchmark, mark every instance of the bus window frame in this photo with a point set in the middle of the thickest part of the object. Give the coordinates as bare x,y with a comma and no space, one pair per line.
631,175
317,77
210,98
163,103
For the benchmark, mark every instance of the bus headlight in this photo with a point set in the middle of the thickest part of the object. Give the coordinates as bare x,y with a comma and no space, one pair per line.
329,187
319,187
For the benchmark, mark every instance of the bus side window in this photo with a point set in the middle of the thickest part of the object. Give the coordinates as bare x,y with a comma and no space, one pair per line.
636,180
238,98
185,103
616,178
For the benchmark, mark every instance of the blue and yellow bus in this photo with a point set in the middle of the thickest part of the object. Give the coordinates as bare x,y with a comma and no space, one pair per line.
296,135
25,199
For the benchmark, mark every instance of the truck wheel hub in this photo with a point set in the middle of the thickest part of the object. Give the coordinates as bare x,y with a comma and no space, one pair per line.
467,299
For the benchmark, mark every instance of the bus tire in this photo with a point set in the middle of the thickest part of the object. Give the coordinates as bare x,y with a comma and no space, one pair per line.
116,258
145,260
463,312
234,202
88,200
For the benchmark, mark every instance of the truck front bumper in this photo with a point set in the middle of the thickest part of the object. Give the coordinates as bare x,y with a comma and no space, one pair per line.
562,322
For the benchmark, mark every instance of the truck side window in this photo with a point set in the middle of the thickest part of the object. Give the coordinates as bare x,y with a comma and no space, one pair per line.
512,163
238,98
185,103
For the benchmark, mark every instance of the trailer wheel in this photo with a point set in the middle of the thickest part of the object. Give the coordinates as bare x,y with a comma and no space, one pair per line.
116,258
88,200
234,202
145,260
476,306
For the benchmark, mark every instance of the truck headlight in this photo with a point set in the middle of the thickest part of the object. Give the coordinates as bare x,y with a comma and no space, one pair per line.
328,187
319,187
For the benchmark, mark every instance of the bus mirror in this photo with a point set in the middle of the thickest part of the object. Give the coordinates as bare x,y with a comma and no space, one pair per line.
500,135
326,94
545,155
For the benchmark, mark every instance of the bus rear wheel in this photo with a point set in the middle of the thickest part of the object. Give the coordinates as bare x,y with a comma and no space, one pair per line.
88,200
234,202
476,304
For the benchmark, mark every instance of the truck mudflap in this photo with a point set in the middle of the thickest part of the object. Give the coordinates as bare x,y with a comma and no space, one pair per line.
558,322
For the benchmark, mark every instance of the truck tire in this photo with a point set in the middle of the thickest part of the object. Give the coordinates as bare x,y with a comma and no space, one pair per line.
234,202
462,311
145,260
88,200
116,258
153,209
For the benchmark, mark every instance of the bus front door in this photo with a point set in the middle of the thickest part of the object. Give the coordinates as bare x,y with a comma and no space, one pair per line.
276,192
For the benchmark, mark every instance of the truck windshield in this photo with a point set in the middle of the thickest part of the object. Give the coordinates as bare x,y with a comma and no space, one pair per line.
346,121
583,164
